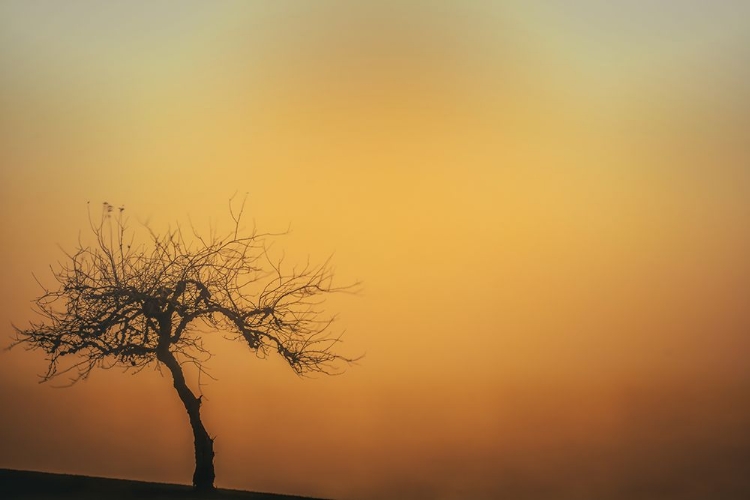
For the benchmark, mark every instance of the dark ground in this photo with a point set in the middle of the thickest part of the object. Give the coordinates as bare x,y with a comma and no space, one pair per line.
41,485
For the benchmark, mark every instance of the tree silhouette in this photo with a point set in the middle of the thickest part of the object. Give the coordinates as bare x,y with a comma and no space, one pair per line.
121,303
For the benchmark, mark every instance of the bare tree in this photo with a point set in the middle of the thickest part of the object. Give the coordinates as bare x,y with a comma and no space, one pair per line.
122,303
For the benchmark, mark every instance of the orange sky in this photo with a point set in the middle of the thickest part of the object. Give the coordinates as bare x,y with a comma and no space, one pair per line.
547,203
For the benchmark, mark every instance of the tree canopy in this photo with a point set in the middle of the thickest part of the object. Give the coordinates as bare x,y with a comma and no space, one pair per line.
120,301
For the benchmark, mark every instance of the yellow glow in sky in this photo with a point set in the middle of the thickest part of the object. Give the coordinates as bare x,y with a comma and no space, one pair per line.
547,202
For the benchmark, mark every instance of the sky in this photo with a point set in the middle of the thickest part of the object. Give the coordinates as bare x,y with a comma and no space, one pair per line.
547,204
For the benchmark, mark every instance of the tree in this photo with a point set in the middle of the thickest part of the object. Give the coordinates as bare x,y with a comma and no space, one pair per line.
120,303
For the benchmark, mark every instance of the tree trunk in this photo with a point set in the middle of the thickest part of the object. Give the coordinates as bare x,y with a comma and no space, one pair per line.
203,477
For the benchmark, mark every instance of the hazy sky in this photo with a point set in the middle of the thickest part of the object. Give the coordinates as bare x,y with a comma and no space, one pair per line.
548,203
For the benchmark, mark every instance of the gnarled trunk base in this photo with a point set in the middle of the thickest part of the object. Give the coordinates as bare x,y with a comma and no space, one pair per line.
203,477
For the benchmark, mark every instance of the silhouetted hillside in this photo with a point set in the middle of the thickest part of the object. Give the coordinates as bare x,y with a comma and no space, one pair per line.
42,485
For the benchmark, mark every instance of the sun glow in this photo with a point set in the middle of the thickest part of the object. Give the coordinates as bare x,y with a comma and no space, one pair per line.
547,203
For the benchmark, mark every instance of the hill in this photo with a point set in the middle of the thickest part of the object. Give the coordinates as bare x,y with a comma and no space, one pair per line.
31,485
